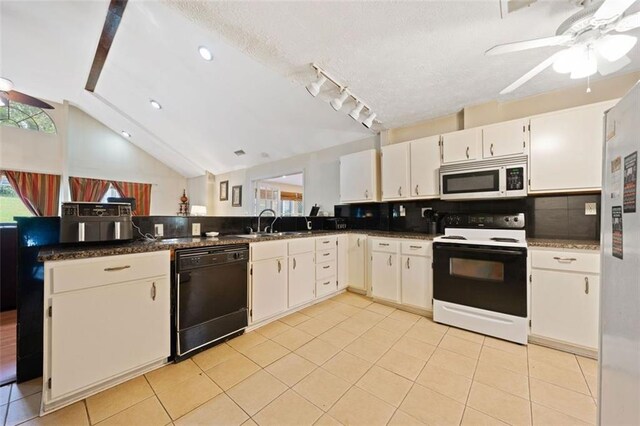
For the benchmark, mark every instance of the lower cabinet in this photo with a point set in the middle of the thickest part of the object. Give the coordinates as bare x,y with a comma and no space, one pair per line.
565,294
385,276
302,283
357,258
343,261
268,288
416,281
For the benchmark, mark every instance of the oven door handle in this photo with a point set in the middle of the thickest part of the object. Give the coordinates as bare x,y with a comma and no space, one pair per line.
480,250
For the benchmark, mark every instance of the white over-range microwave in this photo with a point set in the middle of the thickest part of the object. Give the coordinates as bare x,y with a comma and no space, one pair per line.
485,179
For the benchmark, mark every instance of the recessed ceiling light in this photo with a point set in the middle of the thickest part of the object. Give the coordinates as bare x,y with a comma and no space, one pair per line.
205,53
239,152
284,176
126,134
155,104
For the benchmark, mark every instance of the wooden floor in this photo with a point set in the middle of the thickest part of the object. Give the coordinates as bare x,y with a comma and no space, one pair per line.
7,346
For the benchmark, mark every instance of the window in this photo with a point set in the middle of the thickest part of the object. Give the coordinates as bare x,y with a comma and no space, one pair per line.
26,117
111,192
283,194
10,204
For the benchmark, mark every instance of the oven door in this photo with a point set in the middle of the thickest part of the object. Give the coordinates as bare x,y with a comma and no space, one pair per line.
478,183
485,277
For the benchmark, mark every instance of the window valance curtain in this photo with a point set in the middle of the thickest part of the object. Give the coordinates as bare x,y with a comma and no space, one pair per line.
140,191
290,196
38,191
86,189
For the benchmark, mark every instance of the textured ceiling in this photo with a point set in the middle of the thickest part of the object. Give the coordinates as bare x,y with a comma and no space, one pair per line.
409,60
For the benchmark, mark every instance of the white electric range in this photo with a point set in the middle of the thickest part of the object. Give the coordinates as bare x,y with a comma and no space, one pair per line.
480,275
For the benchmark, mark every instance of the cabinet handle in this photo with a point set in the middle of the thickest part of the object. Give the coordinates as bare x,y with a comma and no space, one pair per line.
117,268
383,244
358,242
327,283
294,263
586,285
279,266
153,291
326,267
408,264
326,254
491,149
366,193
415,247
326,242
467,152
400,191
417,191
390,264
565,259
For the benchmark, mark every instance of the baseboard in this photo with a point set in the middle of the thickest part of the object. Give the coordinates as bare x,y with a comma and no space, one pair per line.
563,346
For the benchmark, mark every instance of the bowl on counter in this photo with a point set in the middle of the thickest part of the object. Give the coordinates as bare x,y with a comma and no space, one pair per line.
211,234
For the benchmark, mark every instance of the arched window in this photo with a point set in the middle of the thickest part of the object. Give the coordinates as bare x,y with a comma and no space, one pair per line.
26,117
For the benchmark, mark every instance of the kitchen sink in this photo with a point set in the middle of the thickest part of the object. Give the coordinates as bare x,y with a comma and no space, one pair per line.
272,234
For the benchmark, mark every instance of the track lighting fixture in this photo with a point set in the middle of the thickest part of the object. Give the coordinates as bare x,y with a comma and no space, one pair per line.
369,121
355,112
336,103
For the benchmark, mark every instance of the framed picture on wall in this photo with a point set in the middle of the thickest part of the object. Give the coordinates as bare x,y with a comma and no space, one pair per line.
224,190
236,196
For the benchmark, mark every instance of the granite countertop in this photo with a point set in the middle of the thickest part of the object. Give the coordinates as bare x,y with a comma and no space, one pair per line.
564,244
65,252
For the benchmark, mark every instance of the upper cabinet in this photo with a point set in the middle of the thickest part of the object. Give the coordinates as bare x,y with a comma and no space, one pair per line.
460,146
502,139
425,166
359,180
566,149
395,171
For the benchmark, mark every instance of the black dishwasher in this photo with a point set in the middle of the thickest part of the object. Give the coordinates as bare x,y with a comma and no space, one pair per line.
211,300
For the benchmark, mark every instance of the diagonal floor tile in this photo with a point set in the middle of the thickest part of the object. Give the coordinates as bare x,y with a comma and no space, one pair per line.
499,404
358,407
256,392
322,388
289,409
431,407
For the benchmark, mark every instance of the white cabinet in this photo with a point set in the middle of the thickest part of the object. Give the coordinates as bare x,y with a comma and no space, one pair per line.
565,292
425,167
566,149
463,145
106,320
302,283
343,261
357,255
359,177
395,171
417,285
502,139
385,270
268,288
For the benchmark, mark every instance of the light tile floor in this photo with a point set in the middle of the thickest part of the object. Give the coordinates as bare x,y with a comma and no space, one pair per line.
343,361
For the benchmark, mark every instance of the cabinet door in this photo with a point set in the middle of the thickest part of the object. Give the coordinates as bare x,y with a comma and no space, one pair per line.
104,331
395,171
343,261
416,281
564,306
463,145
359,176
425,167
357,261
385,276
508,138
566,149
268,288
302,279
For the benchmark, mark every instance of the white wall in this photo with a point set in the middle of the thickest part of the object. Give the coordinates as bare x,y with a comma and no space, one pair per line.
321,178
95,151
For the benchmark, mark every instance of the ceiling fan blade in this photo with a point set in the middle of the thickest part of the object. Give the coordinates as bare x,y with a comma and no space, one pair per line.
629,22
611,9
528,76
605,67
21,98
528,44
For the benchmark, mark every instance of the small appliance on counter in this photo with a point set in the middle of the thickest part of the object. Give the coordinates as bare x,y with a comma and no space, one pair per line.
336,223
93,222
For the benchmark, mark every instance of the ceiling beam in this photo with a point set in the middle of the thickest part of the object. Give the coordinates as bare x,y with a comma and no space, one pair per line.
111,24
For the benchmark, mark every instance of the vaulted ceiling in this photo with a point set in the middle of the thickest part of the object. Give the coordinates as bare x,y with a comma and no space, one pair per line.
408,60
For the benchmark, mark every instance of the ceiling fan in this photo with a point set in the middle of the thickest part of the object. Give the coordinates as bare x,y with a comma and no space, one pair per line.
590,40
8,94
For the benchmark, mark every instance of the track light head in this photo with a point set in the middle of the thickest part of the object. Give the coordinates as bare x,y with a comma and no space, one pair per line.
314,88
336,103
355,112
369,121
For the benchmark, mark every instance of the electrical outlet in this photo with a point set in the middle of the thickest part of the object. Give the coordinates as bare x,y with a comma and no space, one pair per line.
158,229
195,229
590,209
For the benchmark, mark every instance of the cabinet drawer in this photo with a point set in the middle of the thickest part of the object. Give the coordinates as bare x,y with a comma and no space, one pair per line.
566,261
86,273
387,246
326,256
325,243
326,286
268,250
325,270
302,245
416,248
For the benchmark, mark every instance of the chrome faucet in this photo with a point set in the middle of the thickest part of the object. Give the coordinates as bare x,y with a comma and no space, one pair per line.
260,216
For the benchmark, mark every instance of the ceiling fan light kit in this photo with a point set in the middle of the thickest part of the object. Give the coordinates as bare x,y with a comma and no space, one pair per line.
343,96
589,45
